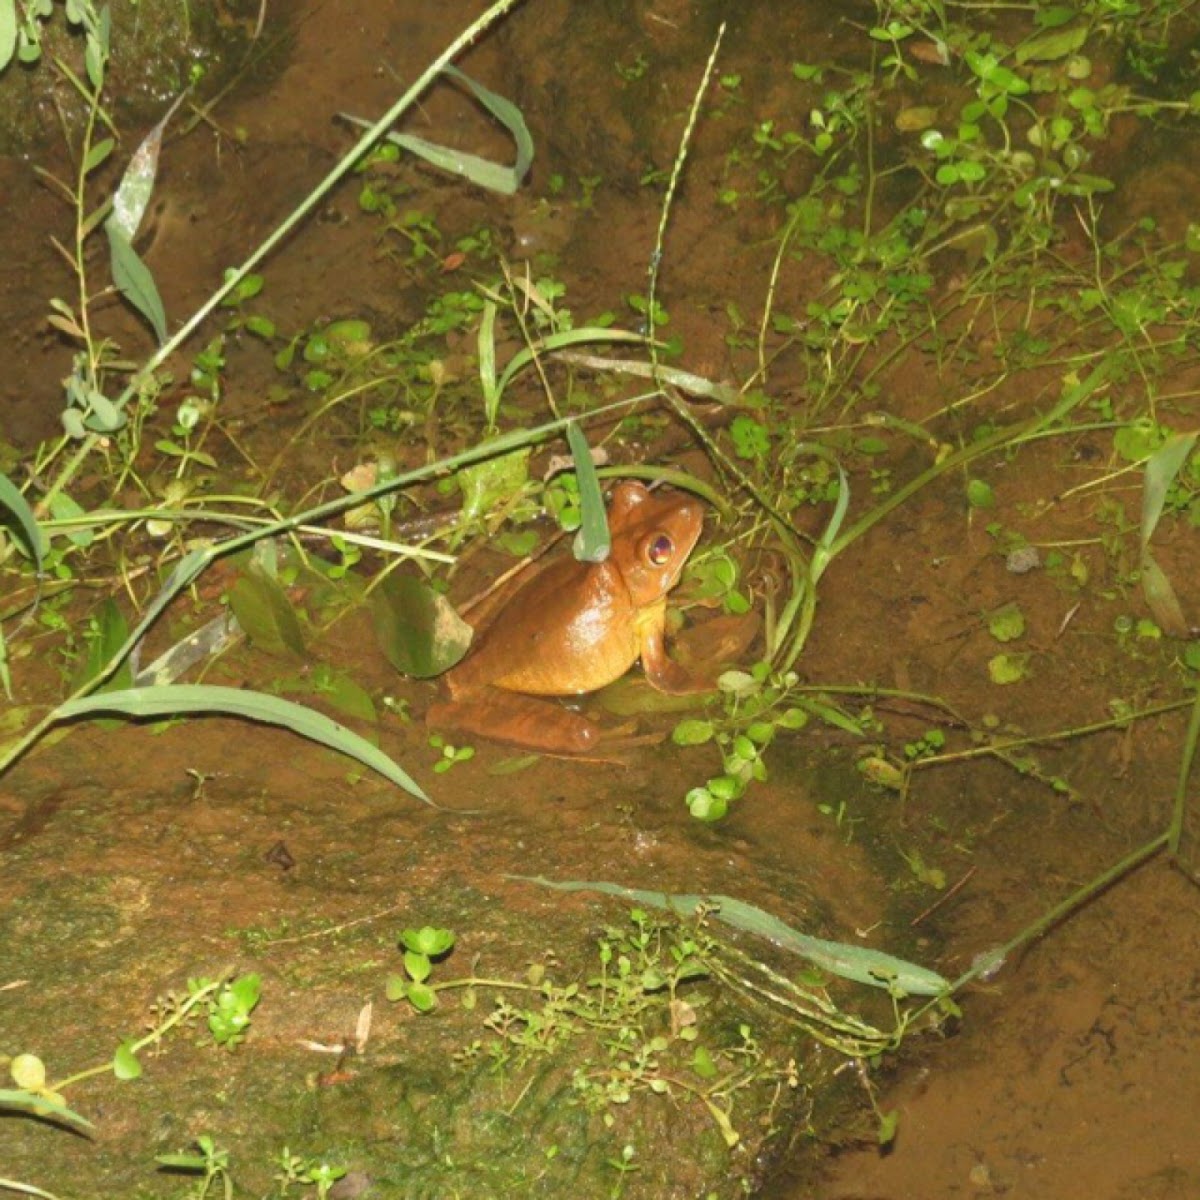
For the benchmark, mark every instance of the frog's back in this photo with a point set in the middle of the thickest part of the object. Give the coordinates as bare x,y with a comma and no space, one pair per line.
569,631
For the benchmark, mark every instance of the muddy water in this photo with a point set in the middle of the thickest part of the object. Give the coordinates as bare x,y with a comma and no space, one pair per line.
134,858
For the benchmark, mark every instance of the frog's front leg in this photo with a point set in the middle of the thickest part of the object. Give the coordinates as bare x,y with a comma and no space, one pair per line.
522,721
662,672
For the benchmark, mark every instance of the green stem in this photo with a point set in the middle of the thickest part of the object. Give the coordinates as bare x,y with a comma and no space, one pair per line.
968,453
992,959
1175,831
1061,735
155,1035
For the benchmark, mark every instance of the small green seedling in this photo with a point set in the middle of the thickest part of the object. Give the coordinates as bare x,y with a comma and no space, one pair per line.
296,1169
1007,623
229,1011
929,744
449,754
1008,668
211,1163
421,947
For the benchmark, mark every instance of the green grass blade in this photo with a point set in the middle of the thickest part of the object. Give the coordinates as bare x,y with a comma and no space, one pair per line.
39,1106
592,542
482,172
180,699
27,525
558,341
508,114
859,963
486,345
495,177
1161,468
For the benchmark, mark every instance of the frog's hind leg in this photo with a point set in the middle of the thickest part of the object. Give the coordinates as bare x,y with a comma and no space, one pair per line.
523,721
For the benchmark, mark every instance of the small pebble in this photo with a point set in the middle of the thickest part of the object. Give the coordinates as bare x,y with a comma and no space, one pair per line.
1023,560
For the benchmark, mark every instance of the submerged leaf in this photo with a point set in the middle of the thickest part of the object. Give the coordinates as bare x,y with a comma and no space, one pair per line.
1161,469
1055,44
1161,598
265,613
26,523
482,172
134,280
1006,623
133,194
418,629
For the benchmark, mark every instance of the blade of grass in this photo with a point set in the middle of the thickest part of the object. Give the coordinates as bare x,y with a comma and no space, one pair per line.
176,700
495,177
592,542
27,525
859,963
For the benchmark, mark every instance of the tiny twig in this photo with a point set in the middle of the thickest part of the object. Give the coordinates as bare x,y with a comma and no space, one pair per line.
941,899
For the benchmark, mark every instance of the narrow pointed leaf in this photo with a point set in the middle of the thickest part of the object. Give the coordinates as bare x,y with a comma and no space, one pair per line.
134,281
22,514
1161,598
859,963
482,172
1161,468
265,613
23,1101
561,340
97,154
137,184
592,542
184,699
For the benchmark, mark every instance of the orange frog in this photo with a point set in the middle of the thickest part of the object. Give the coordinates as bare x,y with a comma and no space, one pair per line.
575,627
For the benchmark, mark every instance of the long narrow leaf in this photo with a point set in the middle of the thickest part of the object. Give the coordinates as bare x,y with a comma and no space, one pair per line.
12,500
507,113
31,1102
137,183
567,337
482,172
487,364
1161,468
495,177
592,542
26,1189
134,281
859,963
178,699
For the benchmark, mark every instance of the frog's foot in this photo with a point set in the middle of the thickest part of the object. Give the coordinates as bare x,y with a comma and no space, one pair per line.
704,652
523,721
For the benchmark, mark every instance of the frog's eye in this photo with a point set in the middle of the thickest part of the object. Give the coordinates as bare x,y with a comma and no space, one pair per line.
661,550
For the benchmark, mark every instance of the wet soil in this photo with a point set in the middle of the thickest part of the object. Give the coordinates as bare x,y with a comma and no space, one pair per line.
137,858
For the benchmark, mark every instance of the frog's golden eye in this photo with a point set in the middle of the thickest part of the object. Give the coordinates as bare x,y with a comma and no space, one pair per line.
660,550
